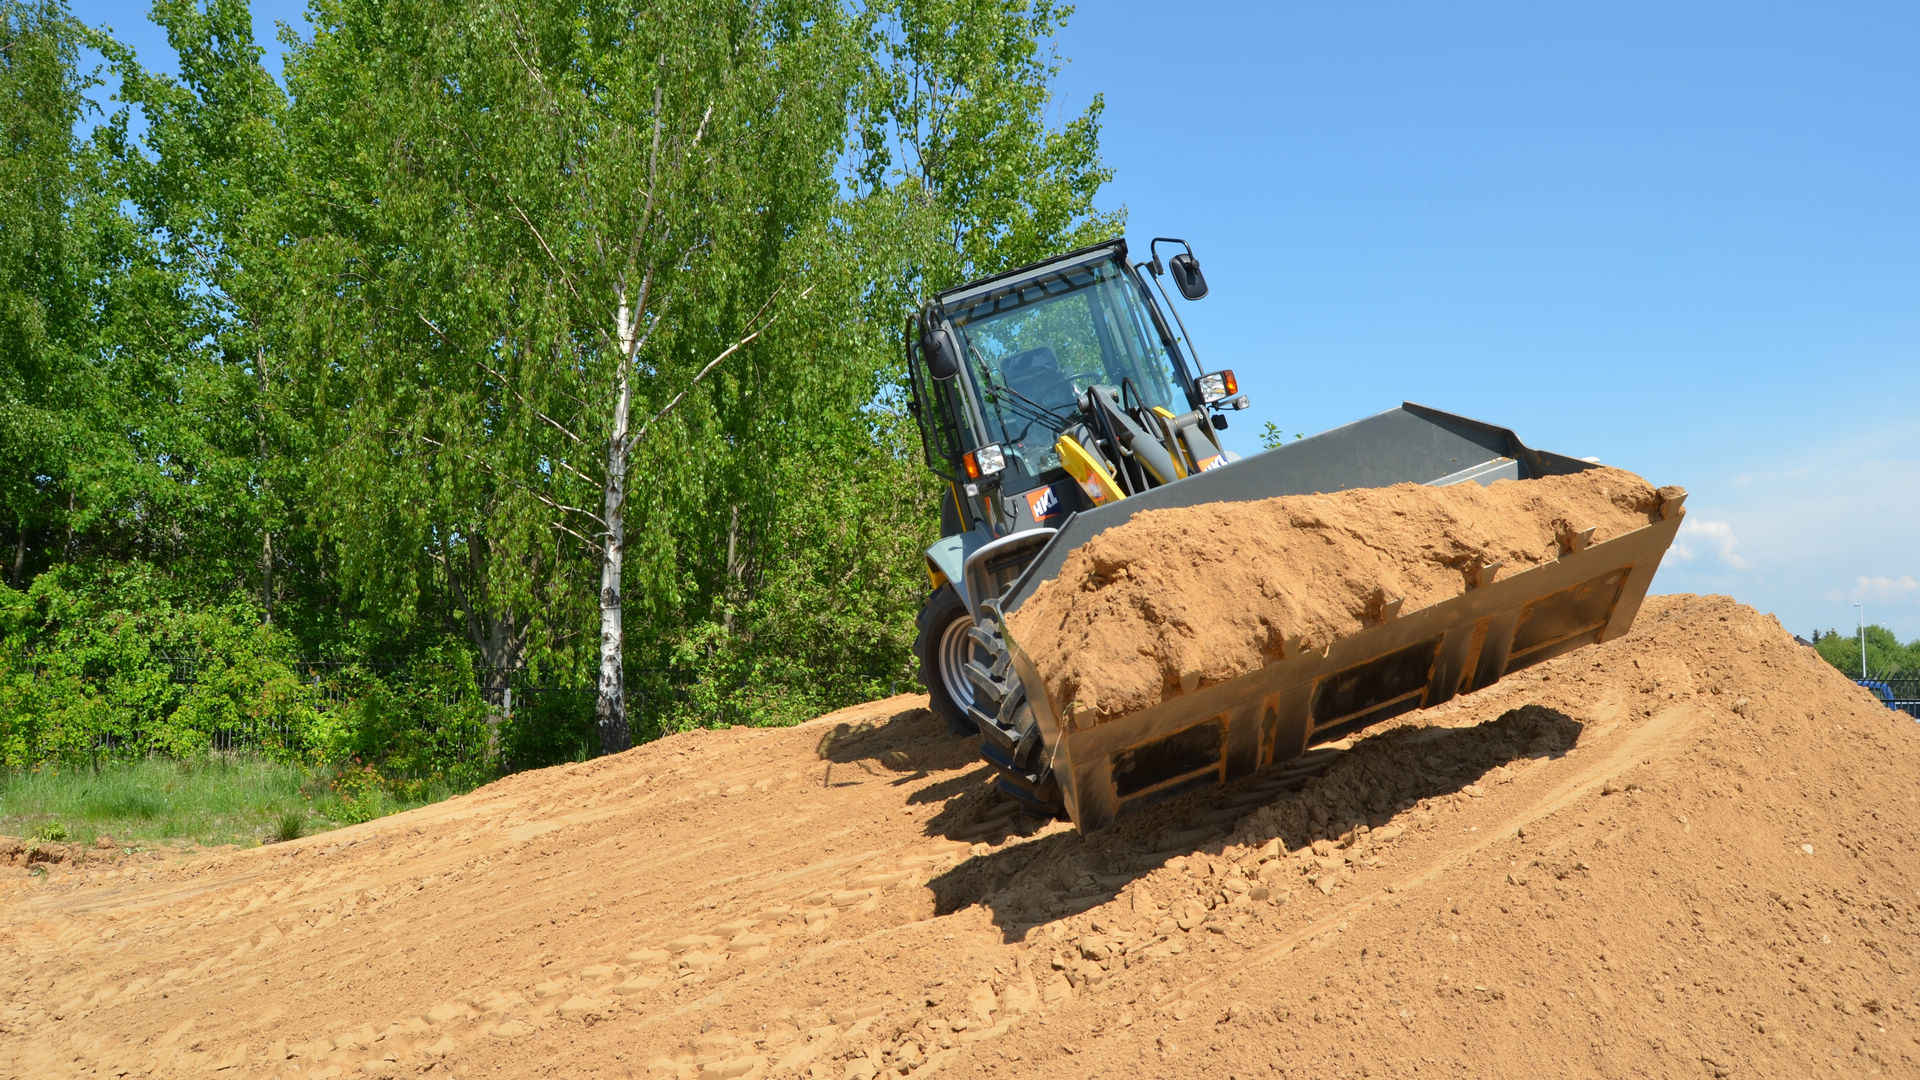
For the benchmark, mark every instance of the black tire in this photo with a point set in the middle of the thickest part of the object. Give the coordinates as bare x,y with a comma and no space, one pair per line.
1031,784
943,649
1009,735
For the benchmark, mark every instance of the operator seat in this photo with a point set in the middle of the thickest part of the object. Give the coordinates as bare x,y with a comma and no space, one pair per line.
1036,374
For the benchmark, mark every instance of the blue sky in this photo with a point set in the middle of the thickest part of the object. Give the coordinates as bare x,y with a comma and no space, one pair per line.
1683,238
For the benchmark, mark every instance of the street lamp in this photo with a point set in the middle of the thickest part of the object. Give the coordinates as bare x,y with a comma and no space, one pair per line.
1861,611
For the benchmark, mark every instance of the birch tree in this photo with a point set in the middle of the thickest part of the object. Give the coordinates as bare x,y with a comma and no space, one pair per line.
575,217
205,183
56,241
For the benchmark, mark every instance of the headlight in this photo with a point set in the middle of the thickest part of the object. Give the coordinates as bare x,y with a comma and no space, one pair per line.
1216,385
985,461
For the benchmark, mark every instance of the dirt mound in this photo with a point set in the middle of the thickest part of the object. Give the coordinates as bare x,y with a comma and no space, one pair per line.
1218,590
1686,852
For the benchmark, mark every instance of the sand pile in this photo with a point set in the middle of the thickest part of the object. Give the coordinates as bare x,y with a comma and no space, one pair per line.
1683,853
1215,591
1687,852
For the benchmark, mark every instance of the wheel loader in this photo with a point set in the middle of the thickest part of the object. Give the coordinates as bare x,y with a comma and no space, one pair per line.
1056,401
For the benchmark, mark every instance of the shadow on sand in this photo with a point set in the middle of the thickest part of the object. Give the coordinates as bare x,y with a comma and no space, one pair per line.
910,747
1061,872
901,748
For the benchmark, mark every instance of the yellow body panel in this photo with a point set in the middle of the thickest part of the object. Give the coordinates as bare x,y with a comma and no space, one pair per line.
1088,471
1182,464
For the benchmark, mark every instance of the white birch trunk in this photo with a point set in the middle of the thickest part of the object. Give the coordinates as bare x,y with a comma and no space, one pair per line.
266,532
610,705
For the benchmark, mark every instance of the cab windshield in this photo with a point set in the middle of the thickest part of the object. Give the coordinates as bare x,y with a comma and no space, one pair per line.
1034,347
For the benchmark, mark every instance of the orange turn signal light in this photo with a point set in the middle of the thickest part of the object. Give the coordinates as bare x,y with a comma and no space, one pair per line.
984,461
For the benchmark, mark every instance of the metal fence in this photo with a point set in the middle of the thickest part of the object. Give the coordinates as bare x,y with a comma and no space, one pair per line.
503,693
1903,692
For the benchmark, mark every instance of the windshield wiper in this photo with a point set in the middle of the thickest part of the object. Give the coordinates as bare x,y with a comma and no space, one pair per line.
1033,409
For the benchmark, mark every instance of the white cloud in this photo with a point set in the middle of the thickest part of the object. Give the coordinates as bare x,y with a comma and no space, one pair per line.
1714,537
1819,526
1887,590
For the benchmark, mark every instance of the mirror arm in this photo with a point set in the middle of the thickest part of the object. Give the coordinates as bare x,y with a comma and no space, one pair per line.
1192,353
1154,249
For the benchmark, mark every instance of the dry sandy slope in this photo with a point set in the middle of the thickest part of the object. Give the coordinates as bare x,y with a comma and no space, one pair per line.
1595,867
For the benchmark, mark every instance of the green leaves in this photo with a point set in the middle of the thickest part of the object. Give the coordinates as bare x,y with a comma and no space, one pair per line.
92,666
1885,654
952,139
343,358
50,197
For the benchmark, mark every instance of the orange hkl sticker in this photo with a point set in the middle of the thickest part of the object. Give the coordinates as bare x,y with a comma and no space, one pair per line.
1043,503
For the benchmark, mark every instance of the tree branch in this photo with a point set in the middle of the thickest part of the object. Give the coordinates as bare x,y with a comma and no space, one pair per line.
593,544
584,478
520,31
497,475
634,439
566,274
508,384
646,210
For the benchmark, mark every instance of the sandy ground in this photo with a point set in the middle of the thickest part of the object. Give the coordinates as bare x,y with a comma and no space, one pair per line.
1688,852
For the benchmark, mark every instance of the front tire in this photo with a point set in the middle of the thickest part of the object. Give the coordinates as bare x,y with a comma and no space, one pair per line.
943,648
1010,736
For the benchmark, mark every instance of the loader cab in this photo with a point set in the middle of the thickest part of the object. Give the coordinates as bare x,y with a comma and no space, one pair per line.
1001,369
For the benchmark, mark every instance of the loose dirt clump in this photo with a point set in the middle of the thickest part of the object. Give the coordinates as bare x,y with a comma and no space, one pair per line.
26,853
1215,591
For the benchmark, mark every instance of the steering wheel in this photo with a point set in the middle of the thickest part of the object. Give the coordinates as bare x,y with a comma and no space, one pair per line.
1016,444
1138,410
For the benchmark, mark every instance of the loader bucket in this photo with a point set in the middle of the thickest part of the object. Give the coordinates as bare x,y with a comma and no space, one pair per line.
1213,734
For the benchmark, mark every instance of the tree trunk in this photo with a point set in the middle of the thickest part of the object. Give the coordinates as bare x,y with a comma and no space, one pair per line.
20,554
260,448
730,596
266,575
610,705
496,684
499,640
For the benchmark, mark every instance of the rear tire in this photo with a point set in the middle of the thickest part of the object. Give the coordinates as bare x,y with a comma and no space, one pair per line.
944,648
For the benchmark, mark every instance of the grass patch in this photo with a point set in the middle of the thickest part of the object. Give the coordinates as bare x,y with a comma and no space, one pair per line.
215,799
292,826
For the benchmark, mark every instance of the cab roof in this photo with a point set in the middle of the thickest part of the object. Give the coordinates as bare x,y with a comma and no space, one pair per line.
966,295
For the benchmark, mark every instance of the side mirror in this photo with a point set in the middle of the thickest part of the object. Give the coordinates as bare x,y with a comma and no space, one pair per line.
1187,276
937,346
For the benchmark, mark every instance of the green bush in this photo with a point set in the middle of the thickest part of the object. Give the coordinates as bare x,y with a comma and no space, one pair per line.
122,665
292,825
550,728
419,721
92,665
